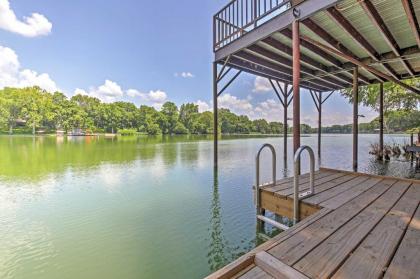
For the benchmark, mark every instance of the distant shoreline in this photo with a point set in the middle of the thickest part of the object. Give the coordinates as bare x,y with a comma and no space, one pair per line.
179,135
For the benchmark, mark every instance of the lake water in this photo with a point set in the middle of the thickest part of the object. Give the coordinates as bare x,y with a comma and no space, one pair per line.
147,207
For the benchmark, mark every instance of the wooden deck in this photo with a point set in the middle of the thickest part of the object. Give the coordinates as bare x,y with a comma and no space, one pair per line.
355,226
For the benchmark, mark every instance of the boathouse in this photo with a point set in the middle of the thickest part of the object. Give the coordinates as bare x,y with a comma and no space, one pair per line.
347,224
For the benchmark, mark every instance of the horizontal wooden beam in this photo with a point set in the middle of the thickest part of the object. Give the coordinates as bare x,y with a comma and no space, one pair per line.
358,63
352,31
304,58
412,19
377,20
276,67
258,70
288,63
357,37
318,30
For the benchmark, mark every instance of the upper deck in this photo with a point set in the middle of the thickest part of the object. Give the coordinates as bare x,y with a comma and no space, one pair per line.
255,36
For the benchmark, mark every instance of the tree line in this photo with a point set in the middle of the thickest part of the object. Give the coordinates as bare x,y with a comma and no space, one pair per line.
33,109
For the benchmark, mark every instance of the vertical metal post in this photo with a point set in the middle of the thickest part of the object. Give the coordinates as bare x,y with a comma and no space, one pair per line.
411,144
319,124
215,116
285,105
381,121
355,116
296,87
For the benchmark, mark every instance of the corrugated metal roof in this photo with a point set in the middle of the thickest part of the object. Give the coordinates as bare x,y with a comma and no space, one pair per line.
392,13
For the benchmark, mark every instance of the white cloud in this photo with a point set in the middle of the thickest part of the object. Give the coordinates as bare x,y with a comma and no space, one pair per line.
203,106
79,91
235,104
184,75
109,92
11,74
155,98
261,85
133,93
270,110
32,26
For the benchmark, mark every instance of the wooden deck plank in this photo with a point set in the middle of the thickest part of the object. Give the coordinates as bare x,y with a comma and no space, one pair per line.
246,260
289,179
293,249
373,255
346,196
276,268
331,180
330,184
325,195
284,206
243,271
406,262
288,182
344,216
327,257
255,273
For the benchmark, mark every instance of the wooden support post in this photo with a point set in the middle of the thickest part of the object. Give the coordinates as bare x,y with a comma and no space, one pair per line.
319,124
296,87
215,116
355,116
381,121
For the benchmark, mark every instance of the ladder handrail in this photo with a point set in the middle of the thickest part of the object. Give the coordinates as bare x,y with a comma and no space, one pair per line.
296,179
257,163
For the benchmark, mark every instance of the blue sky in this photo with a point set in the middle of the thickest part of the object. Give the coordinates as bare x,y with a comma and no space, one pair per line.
146,52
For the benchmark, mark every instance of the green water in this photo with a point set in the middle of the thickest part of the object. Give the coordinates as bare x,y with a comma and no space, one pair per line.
146,207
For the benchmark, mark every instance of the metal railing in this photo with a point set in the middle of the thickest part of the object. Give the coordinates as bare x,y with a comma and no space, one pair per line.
260,212
296,195
257,176
241,16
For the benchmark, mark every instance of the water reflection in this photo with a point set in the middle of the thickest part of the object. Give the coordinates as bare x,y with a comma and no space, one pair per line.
221,251
216,254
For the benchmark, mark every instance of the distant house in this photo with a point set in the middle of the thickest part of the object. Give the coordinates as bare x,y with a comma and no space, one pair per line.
77,132
20,122
60,133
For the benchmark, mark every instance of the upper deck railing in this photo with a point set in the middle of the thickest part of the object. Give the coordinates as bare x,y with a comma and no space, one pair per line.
241,16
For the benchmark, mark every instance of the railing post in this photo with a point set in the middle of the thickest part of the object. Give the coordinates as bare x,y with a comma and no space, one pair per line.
214,32
311,192
255,13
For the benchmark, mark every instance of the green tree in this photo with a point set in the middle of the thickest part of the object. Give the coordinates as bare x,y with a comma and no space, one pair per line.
169,118
188,116
204,123
180,129
261,126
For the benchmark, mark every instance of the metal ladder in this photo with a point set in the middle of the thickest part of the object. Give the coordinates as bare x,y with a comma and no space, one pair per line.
296,195
260,213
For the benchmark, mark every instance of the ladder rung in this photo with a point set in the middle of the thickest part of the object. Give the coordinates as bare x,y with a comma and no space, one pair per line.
272,222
